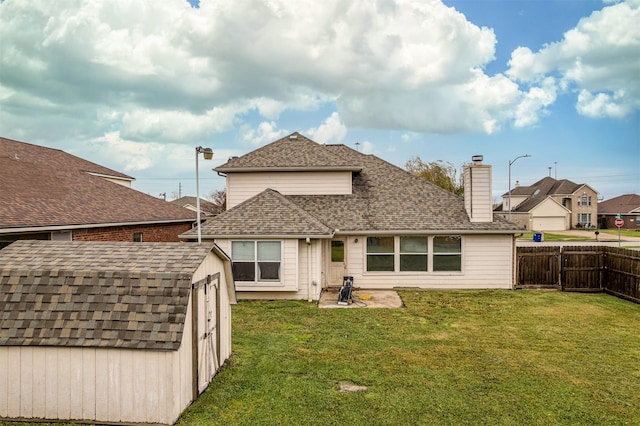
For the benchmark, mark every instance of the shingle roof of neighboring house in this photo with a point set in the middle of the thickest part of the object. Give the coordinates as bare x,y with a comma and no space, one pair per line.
385,198
96,294
44,187
206,207
293,152
628,203
547,186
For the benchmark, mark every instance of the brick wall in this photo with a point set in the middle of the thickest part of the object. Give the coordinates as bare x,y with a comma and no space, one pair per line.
150,233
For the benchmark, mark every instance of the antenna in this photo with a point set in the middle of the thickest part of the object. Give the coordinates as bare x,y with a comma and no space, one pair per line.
163,195
358,146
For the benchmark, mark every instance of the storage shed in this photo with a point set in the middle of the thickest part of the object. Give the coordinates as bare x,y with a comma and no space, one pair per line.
111,332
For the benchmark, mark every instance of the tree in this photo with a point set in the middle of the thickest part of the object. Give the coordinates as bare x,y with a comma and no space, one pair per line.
219,198
440,173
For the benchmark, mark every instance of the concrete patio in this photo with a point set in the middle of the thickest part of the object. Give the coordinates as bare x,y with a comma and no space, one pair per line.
362,299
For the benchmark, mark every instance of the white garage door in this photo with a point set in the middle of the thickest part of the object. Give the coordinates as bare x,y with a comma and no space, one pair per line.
548,224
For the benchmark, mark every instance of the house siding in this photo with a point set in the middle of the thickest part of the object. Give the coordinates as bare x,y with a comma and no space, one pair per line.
242,186
289,271
486,264
477,198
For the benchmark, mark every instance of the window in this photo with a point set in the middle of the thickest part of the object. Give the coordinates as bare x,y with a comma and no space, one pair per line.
584,219
380,254
447,253
256,261
584,200
413,254
337,251
137,237
410,253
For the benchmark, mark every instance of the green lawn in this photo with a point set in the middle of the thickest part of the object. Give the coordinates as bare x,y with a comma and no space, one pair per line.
463,357
548,236
448,358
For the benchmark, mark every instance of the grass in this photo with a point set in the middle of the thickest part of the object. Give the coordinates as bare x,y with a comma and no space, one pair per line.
463,357
448,358
623,232
556,237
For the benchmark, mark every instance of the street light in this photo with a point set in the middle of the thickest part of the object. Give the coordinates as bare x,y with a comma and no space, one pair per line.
207,153
510,163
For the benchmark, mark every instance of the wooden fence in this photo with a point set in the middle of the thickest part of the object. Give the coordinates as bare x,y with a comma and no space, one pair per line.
580,268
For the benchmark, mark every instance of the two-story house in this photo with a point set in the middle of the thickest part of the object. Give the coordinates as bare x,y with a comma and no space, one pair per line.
551,205
301,216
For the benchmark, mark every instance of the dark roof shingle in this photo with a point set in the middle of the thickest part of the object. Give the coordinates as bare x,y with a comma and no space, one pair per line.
96,294
45,187
384,198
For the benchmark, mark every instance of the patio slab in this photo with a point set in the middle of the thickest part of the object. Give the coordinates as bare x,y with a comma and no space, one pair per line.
362,299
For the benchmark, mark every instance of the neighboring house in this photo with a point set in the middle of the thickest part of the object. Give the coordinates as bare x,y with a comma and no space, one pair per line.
51,195
627,206
207,208
301,216
551,205
110,332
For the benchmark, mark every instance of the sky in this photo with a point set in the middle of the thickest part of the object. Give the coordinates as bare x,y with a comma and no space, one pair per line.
137,85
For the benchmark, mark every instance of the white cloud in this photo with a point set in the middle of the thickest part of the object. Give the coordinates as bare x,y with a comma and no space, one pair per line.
534,103
265,133
331,131
599,57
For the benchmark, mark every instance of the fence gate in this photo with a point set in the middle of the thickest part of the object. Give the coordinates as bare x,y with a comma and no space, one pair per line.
582,268
538,267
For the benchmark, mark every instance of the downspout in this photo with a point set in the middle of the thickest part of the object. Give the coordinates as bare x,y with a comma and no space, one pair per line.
308,241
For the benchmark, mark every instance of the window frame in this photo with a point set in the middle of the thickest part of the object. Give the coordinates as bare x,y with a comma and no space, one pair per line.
260,263
443,254
398,253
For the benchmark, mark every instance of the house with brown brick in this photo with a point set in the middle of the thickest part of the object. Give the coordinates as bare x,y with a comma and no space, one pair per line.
626,206
49,194
301,216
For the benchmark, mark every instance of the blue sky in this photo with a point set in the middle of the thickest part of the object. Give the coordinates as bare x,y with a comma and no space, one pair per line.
136,86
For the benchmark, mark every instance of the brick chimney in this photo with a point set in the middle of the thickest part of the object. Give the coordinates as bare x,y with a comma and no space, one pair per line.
477,190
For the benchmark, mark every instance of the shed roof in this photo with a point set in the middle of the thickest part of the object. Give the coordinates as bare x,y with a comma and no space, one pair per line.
44,187
96,294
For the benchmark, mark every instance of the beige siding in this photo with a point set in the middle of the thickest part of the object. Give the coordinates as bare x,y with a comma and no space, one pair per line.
486,263
289,269
310,256
477,195
242,186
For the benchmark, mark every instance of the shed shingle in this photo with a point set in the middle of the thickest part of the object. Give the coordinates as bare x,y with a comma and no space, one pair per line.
94,294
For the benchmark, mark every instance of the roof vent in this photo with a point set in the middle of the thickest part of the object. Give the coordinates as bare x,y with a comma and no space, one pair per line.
477,159
293,136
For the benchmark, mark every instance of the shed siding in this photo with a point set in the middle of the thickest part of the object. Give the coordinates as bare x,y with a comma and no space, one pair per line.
105,385
242,186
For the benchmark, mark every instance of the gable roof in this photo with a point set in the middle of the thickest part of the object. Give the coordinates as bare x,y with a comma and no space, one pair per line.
291,153
206,207
269,214
47,188
547,186
96,294
624,204
384,199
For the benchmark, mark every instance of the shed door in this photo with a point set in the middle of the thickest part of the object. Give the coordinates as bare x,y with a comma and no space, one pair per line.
338,266
208,332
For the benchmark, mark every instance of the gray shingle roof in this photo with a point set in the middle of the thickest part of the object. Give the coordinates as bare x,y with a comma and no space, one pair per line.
293,152
385,198
96,294
271,214
44,187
